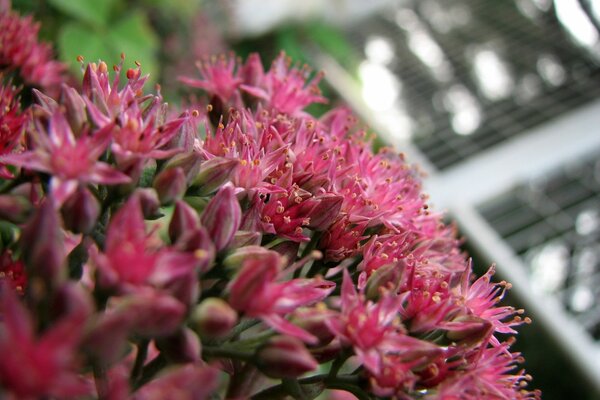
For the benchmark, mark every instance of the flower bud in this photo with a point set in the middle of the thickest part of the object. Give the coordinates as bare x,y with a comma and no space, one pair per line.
188,162
80,211
14,209
149,203
151,313
43,247
181,347
213,173
285,357
382,277
222,217
75,108
235,259
185,219
246,238
313,320
469,330
325,212
170,185
213,318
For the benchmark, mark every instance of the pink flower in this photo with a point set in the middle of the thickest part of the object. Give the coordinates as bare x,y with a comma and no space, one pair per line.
132,257
254,291
34,366
20,50
487,375
71,160
193,382
12,123
140,131
12,273
285,89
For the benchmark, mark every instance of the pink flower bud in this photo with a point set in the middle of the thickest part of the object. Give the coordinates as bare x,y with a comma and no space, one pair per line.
185,219
213,318
213,173
181,347
246,238
80,211
285,357
170,185
382,277
151,313
313,320
43,247
469,330
235,259
326,211
75,108
149,203
222,217
188,162
13,208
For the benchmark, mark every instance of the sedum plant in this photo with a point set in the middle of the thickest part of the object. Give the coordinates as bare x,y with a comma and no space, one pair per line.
241,249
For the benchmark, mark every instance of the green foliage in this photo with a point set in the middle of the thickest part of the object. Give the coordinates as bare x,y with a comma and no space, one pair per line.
94,32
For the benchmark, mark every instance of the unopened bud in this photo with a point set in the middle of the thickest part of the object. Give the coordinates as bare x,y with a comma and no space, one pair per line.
246,238
185,219
469,330
326,211
14,208
42,244
181,347
235,259
313,320
80,211
222,217
214,318
383,277
170,185
149,203
213,173
285,357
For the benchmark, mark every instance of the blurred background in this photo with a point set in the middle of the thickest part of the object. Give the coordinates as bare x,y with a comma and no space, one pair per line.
497,100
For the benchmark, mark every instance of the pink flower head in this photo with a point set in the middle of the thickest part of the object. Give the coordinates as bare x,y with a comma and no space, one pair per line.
488,375
12,123
481,299
132,257
286,89
255,143
254,291
140,130
20,50
71,160
35,366
219,76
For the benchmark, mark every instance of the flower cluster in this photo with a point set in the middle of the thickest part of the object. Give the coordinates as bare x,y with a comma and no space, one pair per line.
247,250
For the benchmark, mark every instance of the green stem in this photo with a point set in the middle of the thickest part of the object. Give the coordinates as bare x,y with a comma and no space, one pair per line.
227,352
292,386
348,383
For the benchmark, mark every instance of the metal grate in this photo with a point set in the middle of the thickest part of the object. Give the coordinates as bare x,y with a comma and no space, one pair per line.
553,223
474,73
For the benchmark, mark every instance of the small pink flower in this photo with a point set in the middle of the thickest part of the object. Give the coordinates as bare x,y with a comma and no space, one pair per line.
285,89
71,160
35,366
254,291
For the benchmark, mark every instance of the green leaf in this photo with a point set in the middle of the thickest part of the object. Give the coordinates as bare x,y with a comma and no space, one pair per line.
76,39
95,12
133,36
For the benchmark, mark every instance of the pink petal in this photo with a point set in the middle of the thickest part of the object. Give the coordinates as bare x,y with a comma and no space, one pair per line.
103,173
284,326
